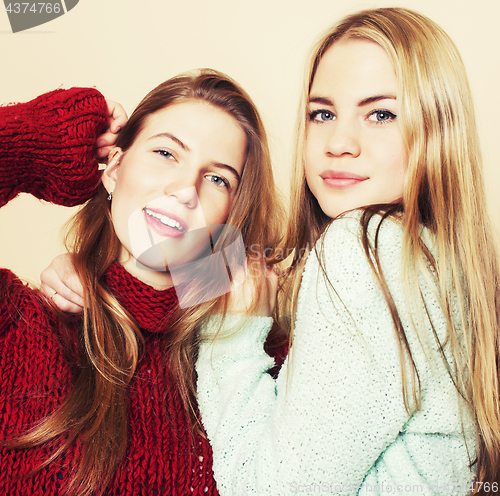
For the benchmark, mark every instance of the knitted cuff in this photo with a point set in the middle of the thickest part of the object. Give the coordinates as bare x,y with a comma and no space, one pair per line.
47,146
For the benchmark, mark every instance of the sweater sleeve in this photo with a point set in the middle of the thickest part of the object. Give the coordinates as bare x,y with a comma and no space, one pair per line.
47,146
334,421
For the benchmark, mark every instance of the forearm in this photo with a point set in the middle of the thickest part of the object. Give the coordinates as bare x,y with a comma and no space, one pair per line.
237,396
47,146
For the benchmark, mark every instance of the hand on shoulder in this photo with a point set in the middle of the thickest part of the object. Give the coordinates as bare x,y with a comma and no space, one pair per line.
60,284
254,290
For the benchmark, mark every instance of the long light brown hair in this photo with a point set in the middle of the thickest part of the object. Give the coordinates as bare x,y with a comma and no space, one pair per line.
444,192
95,411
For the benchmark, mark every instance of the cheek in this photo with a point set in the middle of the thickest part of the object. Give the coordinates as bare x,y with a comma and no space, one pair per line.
127,200
312,145
124,199
121,210
310,172
216,211
309,158
314,156
394,172
126,186
138,176
399,166
308,177
389,154
400,154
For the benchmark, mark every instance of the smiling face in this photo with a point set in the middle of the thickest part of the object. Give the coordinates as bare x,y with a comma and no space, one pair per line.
179,176
355,153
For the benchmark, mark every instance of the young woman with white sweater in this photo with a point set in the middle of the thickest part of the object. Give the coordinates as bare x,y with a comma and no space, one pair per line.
391,384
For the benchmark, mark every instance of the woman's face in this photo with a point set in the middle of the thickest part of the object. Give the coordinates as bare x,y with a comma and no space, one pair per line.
355,153
179,176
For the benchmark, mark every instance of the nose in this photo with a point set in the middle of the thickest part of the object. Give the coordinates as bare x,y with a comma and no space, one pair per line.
343,139
187,196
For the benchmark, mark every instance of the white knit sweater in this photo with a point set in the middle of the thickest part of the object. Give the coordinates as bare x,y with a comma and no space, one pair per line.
334,421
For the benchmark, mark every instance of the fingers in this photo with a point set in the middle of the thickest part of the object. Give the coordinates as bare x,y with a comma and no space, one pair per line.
105,143
253,291
60,284
65,305
239,275
117,118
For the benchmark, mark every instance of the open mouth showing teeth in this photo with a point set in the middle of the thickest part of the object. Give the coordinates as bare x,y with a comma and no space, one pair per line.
167,221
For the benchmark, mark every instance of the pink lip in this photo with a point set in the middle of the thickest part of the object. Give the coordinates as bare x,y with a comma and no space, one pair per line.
341,179
162,229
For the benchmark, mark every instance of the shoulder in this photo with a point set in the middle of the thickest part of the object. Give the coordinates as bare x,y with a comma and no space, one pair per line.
339,275
353,270
354,256
347,246
11,288
20,303
362,272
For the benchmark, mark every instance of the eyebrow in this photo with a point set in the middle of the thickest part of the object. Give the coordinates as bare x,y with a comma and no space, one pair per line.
173,138
361,103
321,100
375,98
233,171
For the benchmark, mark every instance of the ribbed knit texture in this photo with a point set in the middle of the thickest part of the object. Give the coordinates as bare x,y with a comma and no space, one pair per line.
36,369
47,146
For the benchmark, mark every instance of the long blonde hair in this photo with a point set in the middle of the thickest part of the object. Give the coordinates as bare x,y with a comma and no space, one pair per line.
95,410
443,191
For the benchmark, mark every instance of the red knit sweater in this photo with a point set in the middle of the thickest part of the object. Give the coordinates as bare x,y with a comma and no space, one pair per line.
47,149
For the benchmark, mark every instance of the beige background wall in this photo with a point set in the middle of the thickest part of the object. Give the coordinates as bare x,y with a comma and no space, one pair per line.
126,47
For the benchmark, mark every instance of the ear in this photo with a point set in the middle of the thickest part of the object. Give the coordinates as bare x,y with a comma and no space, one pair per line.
110,174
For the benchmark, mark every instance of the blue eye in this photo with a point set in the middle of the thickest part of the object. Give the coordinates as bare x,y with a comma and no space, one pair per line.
321,115
164,153
381,116
218,180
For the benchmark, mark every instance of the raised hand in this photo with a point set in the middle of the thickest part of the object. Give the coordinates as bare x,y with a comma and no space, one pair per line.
117,117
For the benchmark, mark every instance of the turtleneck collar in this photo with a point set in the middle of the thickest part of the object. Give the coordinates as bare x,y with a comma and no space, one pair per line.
152,309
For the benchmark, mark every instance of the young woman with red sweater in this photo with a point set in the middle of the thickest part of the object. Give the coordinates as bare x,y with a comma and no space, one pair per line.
105,403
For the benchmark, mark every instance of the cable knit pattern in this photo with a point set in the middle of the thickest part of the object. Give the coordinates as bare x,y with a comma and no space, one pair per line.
47,146
37,365
334,421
